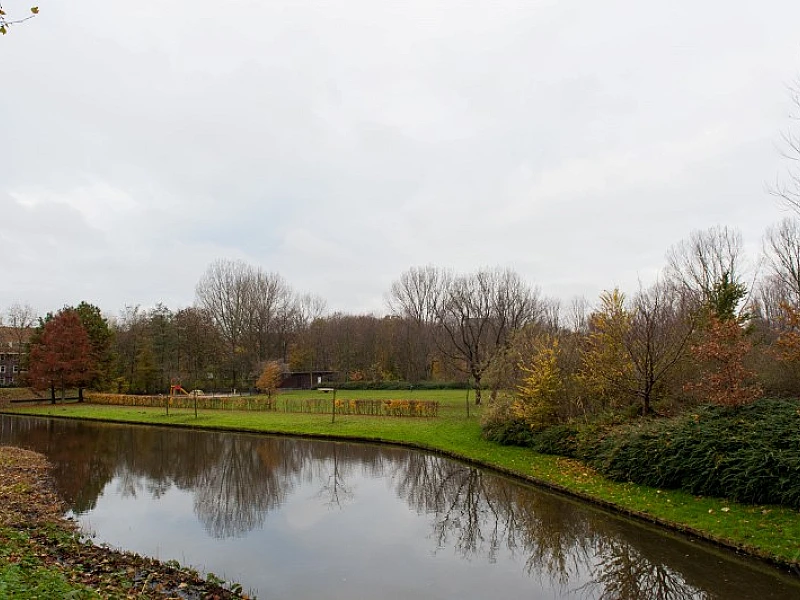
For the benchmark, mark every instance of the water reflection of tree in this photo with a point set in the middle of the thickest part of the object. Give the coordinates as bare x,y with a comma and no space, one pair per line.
458,501
81,466
621,572
477,514
236,479
235,492
334,470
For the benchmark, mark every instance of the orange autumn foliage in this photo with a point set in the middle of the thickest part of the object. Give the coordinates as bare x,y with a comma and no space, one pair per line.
724,379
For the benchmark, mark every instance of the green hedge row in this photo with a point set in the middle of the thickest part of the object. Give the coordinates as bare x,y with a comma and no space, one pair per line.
750,454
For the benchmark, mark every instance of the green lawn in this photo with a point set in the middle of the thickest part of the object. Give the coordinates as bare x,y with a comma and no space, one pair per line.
767,531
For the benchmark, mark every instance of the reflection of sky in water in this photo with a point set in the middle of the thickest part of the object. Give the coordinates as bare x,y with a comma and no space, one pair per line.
308,548
298,519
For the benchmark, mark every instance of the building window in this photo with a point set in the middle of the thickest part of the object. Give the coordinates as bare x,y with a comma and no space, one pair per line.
2,357
2,380
2,368
15,369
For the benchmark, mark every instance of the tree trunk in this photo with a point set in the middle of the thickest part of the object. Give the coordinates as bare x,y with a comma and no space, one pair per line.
477,388
647,409
80,394
52,393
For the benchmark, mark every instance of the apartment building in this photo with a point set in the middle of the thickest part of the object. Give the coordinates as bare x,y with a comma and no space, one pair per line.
12,345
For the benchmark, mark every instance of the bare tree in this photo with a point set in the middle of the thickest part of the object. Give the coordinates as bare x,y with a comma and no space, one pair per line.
578,318
658,339
307,309
769,304
269,308
294,321
478,316
417,298
225,291
787,188
20,318
782,250
419,292
551,313
699,263
296,313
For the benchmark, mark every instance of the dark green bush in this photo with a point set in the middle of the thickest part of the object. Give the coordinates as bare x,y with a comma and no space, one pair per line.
509,433
750,453
560,440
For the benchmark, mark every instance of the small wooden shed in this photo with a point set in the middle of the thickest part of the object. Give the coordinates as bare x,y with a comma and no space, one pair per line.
306,380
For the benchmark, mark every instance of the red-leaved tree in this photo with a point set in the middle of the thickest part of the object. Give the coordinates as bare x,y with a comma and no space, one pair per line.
61,356
721,353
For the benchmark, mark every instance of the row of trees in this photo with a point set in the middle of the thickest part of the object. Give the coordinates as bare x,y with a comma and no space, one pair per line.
488,327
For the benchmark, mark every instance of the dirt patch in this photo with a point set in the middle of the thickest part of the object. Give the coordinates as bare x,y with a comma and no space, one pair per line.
33,529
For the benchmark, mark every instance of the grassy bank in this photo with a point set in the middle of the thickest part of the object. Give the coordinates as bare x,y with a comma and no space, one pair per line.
42,556
766,531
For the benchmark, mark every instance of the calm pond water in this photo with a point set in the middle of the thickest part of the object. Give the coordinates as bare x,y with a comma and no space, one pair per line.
296,519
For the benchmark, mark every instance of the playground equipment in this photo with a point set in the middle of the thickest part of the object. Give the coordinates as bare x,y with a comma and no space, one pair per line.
176,389
173,389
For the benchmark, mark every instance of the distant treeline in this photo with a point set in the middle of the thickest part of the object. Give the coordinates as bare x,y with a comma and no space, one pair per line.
710,327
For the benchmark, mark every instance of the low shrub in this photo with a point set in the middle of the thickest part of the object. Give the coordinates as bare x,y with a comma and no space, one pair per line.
385,408
509,433
749,453
363,407
560,440
24,393
184,401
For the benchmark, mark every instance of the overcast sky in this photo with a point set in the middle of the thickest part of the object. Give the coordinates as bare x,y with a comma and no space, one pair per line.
339,143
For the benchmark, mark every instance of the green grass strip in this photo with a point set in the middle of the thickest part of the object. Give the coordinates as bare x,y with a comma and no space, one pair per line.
24,575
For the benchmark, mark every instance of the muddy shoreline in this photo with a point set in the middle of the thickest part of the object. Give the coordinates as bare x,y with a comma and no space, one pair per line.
37,539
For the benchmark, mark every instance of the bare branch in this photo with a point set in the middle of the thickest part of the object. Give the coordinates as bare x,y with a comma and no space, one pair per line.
787,185
6,22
